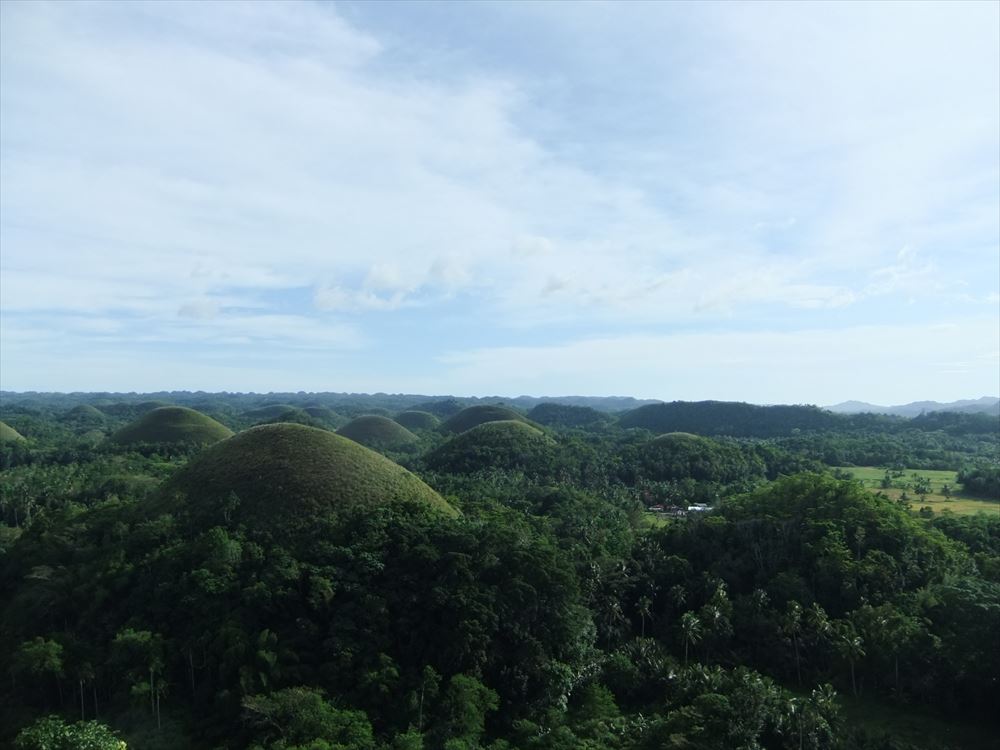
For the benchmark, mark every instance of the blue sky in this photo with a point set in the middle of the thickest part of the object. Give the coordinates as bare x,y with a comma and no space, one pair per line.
788,202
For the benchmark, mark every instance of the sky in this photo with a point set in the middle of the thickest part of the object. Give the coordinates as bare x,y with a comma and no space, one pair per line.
767,202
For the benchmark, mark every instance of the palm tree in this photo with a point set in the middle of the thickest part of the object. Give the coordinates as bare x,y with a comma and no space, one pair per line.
644,606
791,625
851,647
678,595
690,631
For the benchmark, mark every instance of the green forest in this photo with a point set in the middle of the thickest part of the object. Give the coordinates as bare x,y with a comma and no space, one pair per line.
305,571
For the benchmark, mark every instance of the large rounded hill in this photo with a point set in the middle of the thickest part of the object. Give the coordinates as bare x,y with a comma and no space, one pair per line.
417,420
172,424
325,415
506,444
474,416
375,430
9,435
280,479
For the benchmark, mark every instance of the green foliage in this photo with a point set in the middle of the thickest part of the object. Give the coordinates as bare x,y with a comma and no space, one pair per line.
713,708
299,717
52,733
86,415
462,712
729,418
271,412
288,588
568,417
679,455
38,658
981,481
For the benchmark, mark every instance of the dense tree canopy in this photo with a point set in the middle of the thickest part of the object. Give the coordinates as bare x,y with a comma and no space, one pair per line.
288,588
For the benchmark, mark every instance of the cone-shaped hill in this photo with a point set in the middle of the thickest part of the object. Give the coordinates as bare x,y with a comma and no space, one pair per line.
376,430
506,444
281,479
8,434
417,420
172,424
85,413
476,415
325,415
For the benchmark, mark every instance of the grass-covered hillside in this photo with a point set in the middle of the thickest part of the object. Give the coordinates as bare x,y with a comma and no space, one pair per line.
9,434
375,430
476,415
417,420
284,476
507,444
172,424
325,415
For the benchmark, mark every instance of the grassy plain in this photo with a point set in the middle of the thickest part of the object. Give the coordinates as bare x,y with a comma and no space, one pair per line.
871,477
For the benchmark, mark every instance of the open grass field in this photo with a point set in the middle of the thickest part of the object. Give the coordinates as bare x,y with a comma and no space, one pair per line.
655,520
871,477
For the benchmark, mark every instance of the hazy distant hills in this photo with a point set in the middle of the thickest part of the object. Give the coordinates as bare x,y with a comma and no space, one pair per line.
346,406
985,405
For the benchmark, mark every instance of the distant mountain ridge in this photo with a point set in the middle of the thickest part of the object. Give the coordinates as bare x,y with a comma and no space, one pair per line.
984,405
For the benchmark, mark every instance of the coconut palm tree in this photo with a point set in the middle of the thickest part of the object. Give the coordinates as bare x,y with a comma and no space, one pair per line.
690,631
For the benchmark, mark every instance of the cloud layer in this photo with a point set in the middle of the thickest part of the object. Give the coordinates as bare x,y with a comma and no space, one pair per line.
362,193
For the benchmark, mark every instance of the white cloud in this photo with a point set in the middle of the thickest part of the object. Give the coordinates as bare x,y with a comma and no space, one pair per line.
338,299
245,172
528,246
